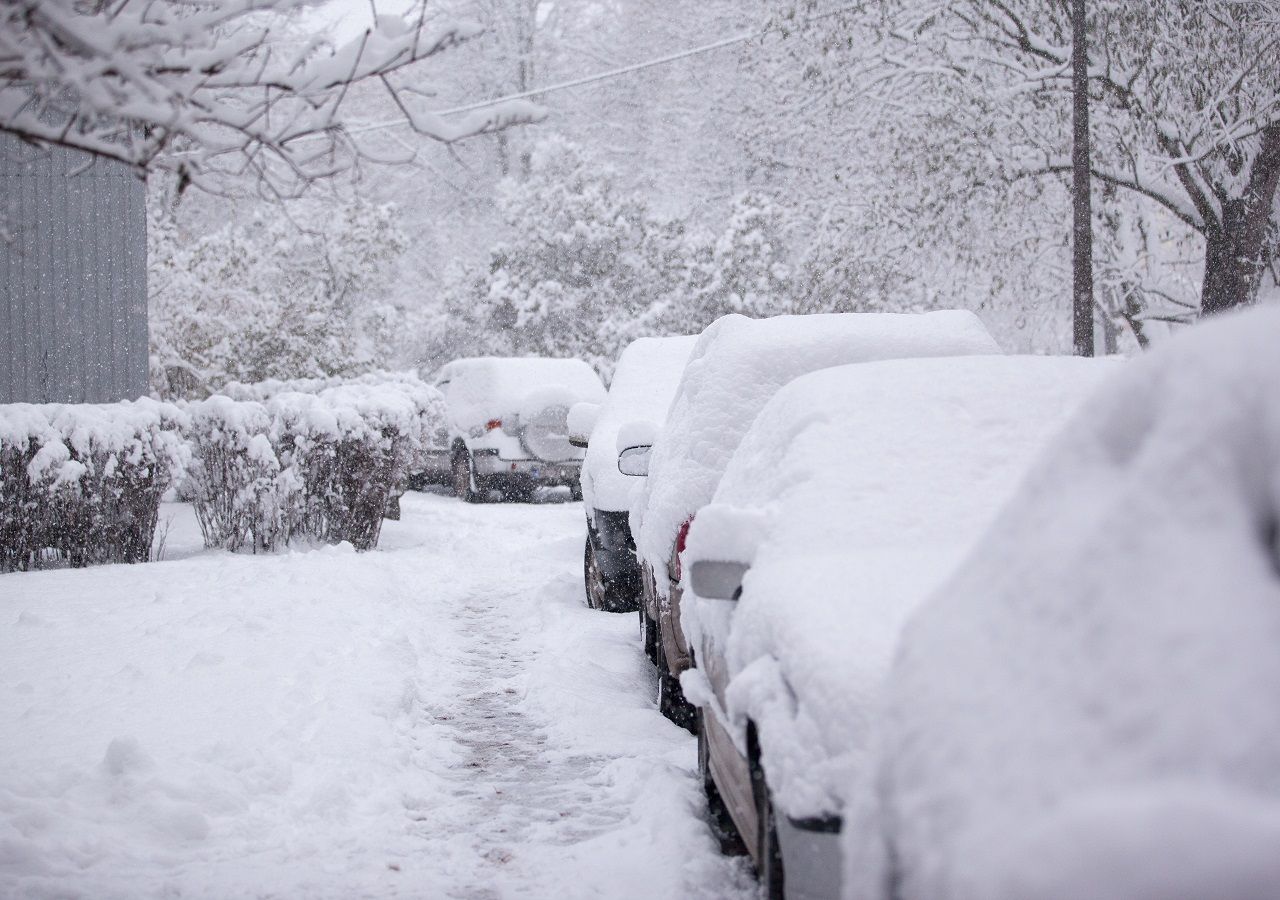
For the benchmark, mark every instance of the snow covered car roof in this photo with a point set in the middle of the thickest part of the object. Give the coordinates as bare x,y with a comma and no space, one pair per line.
481,388
643,384
737,365
856,491
1089,708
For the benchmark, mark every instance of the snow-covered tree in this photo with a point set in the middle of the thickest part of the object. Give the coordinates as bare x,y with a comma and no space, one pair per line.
1187,106
577,268
301,291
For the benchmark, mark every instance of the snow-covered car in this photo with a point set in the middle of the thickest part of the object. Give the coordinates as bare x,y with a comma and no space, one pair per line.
1088,708
507,424
736,366
640,393
855,492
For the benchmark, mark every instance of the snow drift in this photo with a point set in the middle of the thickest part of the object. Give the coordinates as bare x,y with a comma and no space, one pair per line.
1088,708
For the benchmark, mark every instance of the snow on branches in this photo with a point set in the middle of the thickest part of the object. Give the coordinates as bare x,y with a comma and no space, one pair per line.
1186,106
210,90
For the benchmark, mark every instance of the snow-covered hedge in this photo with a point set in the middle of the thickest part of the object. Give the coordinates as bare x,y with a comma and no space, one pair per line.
244,498
81,484
319,464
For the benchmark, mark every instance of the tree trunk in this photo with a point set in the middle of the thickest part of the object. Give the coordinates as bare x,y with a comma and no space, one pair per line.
1237,249
1081,183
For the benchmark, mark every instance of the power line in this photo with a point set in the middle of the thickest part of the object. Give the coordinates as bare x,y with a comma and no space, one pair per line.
610,73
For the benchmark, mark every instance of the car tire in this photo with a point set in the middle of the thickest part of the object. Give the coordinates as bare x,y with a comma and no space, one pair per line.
768,851
671,701
464,478
601,593
592,584
649,635
718,816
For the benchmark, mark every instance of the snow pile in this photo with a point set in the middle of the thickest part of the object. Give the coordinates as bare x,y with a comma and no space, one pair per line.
736,366
81,483
644,382
320,466
1097,685
856,491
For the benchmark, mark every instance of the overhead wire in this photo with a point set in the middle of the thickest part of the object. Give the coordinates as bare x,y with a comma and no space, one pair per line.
612,73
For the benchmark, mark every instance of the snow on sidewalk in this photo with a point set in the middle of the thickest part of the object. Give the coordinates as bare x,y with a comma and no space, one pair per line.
440,718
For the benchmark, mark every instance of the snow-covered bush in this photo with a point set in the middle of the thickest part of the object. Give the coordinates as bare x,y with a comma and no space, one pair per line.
428,430
352,447
81,484
243,496
319,464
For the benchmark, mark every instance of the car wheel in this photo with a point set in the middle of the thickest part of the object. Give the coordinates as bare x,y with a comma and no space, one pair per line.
463,480
591,577
768,851
649,636
671,701
601,594
718,817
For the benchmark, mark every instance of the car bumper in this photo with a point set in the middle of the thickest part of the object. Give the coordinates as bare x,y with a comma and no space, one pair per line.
433,467
492,467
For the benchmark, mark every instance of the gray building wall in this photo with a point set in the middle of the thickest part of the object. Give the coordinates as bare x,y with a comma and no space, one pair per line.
73,277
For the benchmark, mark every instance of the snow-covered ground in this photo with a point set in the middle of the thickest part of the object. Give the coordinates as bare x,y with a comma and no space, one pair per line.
438,718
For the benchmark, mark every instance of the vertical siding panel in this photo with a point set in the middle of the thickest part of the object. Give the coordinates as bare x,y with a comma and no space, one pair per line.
73,281
111,264
98,288
137,331
32,302
8,282
68,286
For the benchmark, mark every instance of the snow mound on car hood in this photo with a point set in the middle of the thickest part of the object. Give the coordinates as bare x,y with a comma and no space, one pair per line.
737,365
872,480
1117,629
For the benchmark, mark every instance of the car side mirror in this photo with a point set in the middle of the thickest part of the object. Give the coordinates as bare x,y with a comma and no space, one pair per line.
717,579
581,422
634,460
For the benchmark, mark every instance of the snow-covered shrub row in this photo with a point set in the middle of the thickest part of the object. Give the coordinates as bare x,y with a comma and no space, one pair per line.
264,390
81,484
319,466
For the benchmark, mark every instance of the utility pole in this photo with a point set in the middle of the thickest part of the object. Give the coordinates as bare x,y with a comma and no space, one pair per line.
1082,213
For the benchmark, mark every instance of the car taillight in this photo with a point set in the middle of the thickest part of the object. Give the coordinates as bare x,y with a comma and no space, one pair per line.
682,536
492,424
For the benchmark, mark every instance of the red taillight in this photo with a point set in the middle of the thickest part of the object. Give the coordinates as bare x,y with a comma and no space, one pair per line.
682,536
492,424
